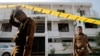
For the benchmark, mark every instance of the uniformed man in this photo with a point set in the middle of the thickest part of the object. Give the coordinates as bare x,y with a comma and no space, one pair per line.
80,43
25,35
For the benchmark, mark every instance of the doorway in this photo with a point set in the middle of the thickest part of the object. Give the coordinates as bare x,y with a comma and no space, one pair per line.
38,48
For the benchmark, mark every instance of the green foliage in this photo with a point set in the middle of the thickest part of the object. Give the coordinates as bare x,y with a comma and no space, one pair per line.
52,51
64,44
98,39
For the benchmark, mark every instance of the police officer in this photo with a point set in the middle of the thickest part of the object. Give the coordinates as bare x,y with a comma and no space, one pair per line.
80,43
25,35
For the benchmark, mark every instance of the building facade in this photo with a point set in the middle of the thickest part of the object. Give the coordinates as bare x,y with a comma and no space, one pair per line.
53,34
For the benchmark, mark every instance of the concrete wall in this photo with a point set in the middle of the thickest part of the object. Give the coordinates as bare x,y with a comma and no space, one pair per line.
8,34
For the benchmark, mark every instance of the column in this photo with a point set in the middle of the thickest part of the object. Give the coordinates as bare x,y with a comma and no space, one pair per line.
46,37
73,11
79,23
0,28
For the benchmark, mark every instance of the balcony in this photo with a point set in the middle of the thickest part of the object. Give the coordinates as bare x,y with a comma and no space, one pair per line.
90,31
67,34
53,34
88,14
8,34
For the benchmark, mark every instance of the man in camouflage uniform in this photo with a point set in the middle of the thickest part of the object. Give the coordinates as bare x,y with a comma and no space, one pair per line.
24,38
80,43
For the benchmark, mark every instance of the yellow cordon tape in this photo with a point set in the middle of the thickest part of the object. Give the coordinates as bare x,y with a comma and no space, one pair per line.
7,6
55,13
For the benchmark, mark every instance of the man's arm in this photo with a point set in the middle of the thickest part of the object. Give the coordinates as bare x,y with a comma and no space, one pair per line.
29,38
12,21
88,43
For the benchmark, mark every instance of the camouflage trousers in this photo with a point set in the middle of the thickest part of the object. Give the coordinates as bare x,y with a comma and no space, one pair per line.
19,51
81,53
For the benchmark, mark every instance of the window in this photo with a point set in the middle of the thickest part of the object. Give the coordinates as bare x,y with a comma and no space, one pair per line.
63,27
59,40
3,46
6,27
49,26
38,46
38,17
90,25
82,12
35,12
40,28
66,40
50,40
6,39
61,11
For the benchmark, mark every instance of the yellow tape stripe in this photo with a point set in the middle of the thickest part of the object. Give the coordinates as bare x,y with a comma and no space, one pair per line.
65,15
7,6
46,11
55,13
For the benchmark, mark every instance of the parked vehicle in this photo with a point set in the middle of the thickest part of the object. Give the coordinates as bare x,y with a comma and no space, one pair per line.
6,49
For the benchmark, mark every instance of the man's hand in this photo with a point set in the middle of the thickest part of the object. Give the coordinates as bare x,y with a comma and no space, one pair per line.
73,54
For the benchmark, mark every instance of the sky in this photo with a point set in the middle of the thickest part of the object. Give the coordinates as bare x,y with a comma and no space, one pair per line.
95,3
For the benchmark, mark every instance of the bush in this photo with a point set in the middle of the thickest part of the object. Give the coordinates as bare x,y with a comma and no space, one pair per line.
97,39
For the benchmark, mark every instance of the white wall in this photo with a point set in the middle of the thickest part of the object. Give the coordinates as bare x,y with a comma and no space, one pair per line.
55,32
8,34
71,30
91,32
59,49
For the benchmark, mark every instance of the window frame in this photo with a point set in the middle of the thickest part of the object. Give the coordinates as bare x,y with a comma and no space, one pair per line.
96,26
4,25
63,30
61,10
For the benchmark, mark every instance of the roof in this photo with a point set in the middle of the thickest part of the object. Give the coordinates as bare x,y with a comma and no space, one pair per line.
53,3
